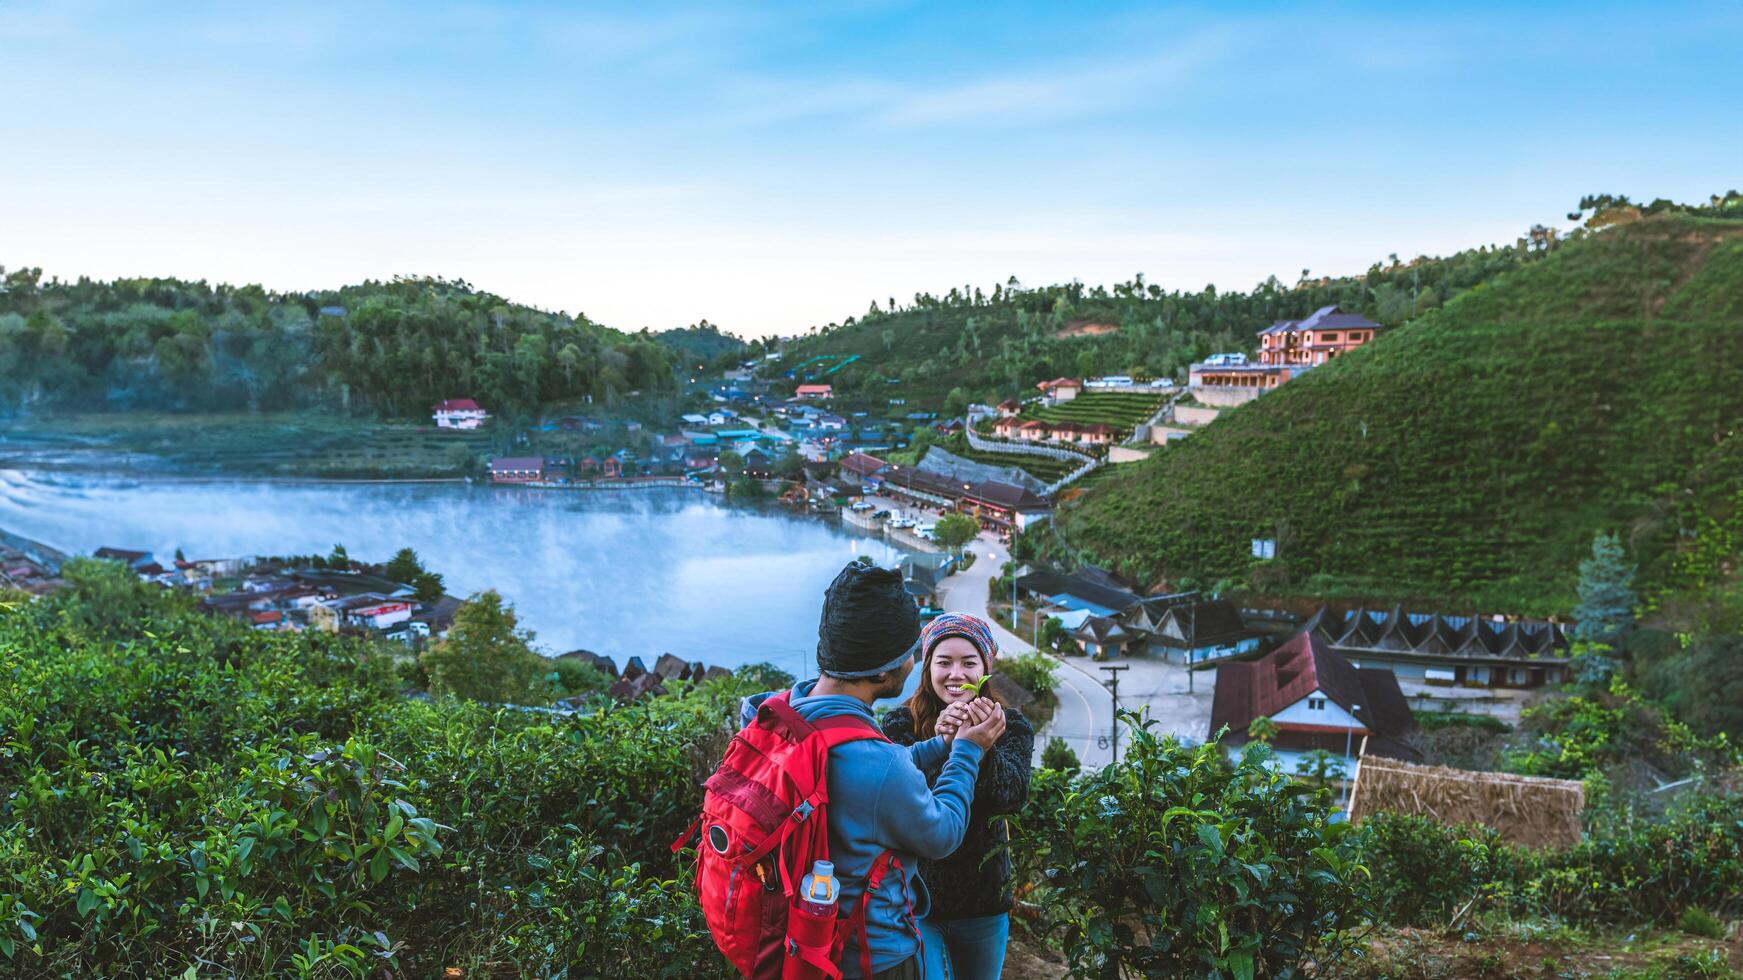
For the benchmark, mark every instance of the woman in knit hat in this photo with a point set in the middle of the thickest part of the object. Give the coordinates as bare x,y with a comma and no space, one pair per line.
971,896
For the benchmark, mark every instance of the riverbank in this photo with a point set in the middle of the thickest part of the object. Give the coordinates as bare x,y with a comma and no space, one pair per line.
307,445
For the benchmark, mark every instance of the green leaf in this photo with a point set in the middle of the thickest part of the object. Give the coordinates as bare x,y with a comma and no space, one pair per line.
282,908
378,865
1241,964
87,901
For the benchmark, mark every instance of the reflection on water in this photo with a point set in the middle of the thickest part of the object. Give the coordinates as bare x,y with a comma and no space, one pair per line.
627,573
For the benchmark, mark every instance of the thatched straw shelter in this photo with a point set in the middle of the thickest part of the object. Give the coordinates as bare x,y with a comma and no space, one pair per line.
1527,810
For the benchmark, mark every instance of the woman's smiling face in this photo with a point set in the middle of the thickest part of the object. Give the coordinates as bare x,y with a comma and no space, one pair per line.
955,661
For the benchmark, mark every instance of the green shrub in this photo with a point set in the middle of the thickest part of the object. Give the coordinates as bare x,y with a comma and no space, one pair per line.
1058,755
1177,863
1034,672
1696,922
185,792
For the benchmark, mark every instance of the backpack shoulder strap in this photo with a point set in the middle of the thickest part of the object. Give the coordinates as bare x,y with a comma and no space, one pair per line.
840,729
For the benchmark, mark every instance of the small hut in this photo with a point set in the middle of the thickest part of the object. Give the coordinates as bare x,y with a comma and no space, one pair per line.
1527,810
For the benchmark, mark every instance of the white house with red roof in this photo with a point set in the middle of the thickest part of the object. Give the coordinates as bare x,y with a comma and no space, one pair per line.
1318,700
814,391
1060,389
458,413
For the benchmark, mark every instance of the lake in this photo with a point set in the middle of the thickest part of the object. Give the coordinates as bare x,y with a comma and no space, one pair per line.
623,573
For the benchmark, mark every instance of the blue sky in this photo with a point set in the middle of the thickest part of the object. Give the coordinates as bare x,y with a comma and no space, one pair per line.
770,167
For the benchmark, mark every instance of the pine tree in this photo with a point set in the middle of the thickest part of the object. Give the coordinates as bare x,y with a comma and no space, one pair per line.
1605,612
1607,599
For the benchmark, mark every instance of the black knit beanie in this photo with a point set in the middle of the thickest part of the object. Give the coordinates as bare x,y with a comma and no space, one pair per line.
869,625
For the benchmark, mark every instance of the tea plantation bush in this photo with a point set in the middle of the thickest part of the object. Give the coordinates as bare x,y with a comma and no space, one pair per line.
1633,874
180,791
1177,863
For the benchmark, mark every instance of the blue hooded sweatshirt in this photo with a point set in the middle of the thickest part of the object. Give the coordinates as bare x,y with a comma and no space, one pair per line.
878,801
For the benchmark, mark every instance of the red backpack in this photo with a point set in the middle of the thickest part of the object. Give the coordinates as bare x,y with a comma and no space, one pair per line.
764,821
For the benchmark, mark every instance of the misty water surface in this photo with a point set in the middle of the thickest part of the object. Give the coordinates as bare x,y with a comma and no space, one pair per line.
621,573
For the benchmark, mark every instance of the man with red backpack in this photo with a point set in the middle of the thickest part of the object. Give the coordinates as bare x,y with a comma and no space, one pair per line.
881,814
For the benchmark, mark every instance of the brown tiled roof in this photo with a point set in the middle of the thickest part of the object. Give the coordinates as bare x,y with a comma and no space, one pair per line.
1302,665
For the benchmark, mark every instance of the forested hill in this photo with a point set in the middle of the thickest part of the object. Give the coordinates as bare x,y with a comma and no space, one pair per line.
1000,342
391,347
1469,457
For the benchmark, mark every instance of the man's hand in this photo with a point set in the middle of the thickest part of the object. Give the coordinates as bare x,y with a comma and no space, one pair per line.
985,729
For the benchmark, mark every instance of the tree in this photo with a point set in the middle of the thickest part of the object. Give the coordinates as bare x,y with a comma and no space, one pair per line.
1320,767
339,558
1263,729
956,403
1605,611
428,586
730,463
1607,600
485,656
1058,755
404,567
1704,686
955,530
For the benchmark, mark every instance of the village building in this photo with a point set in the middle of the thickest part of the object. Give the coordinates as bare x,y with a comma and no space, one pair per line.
458,413
862,467
1464,651
1103,637
1003,506
1287,348
1009,407
517,469
814,392
1060,390
1318,700
1323,335
1089,588
1201,630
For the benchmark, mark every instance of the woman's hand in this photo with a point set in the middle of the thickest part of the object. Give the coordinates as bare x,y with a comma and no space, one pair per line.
952,718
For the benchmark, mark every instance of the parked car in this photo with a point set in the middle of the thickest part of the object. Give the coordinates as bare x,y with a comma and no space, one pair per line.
880,515
902,522
925,530
1162,383
860,505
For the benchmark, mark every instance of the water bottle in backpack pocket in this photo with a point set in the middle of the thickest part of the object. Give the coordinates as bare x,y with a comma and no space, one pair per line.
811,925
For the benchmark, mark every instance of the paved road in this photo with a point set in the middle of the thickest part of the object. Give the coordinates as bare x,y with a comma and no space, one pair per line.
1085,715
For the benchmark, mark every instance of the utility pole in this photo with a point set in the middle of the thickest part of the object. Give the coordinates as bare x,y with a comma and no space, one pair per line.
1348,731
1191,643
1113,685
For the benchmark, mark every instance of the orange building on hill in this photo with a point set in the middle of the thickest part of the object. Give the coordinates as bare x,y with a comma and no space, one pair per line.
1286,349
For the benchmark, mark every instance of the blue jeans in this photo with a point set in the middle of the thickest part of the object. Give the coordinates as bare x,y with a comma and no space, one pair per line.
975,948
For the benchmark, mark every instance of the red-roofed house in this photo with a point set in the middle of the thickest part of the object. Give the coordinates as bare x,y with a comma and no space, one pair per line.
1096,433
814,391
1060,389
1006,428
1318,699
1009,407
861,466
458,413
1034,430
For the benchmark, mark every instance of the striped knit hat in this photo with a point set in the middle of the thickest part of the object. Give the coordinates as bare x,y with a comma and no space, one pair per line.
971,628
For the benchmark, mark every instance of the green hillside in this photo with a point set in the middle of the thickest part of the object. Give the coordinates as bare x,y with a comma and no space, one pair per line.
996,343
1467,458
391,348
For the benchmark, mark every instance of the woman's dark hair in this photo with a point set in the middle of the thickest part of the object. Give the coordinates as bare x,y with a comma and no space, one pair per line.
925,705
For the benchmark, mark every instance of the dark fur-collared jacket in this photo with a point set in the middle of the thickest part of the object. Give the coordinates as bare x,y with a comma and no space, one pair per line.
965,885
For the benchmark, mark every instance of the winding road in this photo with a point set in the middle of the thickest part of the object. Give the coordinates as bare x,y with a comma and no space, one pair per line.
1085,715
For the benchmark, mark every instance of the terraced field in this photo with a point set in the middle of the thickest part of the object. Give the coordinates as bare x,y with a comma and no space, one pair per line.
1124,410
1043,468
